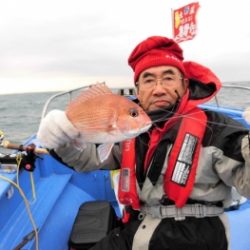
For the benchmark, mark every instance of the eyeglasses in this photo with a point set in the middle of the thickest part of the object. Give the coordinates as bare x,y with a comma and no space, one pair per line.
166,81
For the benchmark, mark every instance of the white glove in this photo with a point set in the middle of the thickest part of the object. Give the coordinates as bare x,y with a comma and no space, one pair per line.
56,130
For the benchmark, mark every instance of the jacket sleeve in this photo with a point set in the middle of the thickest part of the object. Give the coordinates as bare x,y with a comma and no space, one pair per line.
87,159
241,174
229,143
234,168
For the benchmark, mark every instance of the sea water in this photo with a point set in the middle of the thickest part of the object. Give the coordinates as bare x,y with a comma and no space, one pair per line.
20,114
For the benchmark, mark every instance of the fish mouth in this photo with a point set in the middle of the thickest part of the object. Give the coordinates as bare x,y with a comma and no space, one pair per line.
146,128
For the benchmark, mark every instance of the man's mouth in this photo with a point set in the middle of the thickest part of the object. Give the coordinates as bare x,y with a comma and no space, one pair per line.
161,103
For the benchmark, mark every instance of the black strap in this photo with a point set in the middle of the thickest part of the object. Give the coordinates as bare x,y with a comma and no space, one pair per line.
141,146
157,162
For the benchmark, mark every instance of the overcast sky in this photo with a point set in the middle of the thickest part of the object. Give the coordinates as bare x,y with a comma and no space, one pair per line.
53,45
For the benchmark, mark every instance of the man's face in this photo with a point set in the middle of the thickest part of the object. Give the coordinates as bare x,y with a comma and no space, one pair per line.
160,87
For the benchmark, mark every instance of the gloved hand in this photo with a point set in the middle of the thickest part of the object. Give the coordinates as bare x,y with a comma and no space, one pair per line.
56,130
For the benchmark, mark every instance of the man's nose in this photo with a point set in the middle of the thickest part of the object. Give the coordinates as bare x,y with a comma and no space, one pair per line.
158,88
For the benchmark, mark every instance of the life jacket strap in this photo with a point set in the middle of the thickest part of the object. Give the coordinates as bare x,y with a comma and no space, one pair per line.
189,210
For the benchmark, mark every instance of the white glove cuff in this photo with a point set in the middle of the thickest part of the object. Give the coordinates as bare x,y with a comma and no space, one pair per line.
56,130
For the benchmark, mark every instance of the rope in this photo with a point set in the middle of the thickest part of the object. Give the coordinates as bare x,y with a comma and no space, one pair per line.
17,186
26,202
18,160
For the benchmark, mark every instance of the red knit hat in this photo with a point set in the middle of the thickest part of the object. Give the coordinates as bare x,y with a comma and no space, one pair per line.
155,51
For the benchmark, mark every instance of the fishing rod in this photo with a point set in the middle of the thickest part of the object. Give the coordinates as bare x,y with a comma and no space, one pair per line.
25,155
7,144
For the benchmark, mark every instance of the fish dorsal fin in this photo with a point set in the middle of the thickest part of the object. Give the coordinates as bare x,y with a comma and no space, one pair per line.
94,91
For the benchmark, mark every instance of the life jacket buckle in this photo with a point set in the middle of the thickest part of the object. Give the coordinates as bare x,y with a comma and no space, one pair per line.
141,216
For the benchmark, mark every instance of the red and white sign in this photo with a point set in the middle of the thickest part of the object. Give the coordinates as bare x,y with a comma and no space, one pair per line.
184,22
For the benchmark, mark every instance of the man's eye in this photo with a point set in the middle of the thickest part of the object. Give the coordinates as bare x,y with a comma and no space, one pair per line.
148,81
168,78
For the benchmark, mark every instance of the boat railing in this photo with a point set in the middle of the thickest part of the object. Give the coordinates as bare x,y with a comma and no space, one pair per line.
70,94
236,87
232,96
218,100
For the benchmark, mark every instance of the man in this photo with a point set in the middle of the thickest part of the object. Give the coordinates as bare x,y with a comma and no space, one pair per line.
186,165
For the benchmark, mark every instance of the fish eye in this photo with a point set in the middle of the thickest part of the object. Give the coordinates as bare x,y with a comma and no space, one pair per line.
133,112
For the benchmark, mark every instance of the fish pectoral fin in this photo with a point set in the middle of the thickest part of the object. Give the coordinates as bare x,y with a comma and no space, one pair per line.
112,127
104,150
